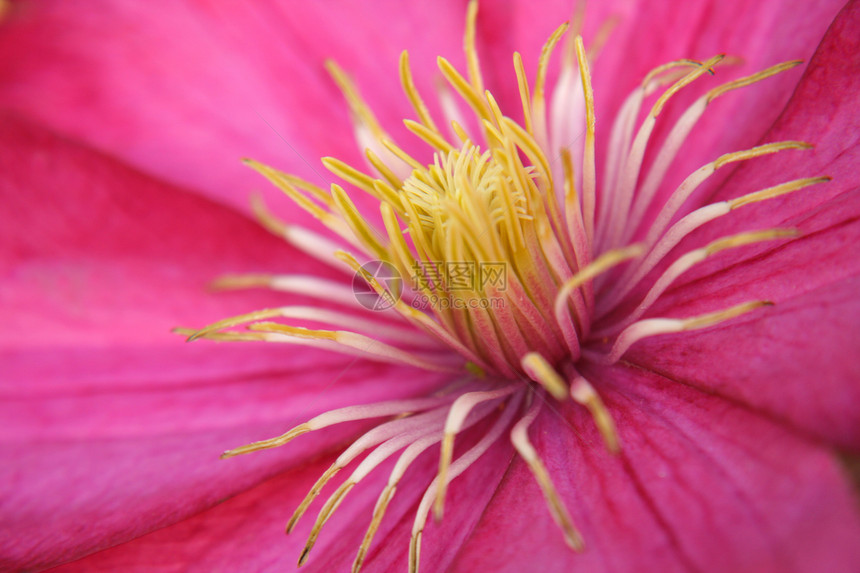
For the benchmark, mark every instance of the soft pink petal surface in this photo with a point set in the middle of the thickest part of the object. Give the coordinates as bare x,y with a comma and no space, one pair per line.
224,537
701,485
112,425
229,82
185,91
795,361
646,35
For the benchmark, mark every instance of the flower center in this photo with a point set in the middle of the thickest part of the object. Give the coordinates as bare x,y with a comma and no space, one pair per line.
508,238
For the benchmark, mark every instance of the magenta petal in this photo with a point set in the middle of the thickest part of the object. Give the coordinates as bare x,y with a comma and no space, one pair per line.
248,529
822,111
112,426
95,253
648,34
91,471
796,361
118,465
185,91
701,485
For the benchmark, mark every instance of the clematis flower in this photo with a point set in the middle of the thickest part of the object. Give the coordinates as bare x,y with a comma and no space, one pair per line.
672,358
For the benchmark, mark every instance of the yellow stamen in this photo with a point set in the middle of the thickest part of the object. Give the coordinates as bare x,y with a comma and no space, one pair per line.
747,239
224,336
327,218
538,94
368,236
757,77
544,374
758,151
350,340
556,507
235,321
431,137
270,443
464,88
356,103
603,263
412,93
312,495
361,180
525,96
661,70
775,191
400,154
390,177
415,551
589,174
325,513
460,132
469,47
229,282
712,318
705,68
266,218
378,514
583,393
602,36
519,437
445,457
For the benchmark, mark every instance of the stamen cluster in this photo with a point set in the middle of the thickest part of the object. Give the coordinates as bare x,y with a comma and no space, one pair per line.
515,195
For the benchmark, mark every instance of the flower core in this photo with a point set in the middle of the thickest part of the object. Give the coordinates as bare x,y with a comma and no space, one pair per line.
523,263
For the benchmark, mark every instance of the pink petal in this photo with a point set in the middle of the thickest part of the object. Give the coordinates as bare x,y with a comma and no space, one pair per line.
208,540
649,34
112,425
88,472
701,485
823,111
185,91
97,253
797,361
248,529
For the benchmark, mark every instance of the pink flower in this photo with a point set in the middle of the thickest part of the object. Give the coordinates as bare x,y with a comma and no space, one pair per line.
122,200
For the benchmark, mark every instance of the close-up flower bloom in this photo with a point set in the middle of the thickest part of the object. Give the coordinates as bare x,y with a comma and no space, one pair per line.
572,288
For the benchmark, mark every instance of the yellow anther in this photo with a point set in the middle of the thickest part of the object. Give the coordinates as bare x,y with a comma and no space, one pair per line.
412,93
685,81
758,151
775,191
544,374
757,77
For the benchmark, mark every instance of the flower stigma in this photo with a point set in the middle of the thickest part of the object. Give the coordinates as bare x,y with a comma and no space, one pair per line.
533,266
